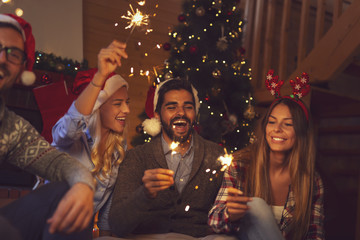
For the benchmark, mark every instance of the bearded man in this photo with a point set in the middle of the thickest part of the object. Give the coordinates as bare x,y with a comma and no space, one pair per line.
164,192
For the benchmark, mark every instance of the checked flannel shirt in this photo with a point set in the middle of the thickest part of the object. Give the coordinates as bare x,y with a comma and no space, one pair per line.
219,217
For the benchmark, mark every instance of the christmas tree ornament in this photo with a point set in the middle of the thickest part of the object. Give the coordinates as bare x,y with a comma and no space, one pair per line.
46,79
215,90
182,18
193,49
216,73
222,43
139,128
168,76
249,113
59,67
217,4
166,46
182,48
200,11
233,119
178,38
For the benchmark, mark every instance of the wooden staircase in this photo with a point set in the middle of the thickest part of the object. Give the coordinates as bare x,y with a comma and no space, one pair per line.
322,38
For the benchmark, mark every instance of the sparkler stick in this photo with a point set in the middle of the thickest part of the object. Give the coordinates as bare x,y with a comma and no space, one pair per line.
173,146
225,160
136,19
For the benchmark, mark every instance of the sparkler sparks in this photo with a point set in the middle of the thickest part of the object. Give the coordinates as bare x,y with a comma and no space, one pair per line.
225,160
136,18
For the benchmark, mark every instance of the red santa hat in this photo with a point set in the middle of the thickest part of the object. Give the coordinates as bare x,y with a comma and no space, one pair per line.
111,85
27,77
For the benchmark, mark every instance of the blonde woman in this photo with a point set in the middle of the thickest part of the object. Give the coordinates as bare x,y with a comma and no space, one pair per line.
272,191
93,129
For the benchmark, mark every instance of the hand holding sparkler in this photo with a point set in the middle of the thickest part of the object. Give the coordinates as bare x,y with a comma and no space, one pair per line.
136,19
109,58
156,180
236,204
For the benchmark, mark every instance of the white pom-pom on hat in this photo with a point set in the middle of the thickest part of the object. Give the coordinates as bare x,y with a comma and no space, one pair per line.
152,126
28,78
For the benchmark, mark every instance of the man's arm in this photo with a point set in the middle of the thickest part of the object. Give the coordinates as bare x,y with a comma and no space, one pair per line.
28,150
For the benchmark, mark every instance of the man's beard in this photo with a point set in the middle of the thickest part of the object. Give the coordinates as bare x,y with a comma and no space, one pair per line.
170,132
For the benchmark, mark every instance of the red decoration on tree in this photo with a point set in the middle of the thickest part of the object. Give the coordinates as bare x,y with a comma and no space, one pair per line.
229,13
46,79
181,18
193,49
166,46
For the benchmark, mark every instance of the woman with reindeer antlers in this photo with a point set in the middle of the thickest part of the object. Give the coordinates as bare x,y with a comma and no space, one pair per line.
271,190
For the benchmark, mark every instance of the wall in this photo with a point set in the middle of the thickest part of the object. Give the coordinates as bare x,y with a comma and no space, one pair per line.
57,25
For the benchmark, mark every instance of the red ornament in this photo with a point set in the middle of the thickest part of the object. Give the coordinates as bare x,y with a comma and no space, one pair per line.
166,46
46,79
229,13
193,49
181,18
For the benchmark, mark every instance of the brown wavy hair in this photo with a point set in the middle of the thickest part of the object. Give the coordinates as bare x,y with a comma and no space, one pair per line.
300,160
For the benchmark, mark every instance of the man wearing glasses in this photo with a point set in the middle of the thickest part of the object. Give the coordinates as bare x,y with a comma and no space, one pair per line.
64,208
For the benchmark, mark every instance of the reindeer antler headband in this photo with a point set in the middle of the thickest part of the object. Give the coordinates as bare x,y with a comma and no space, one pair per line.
300,86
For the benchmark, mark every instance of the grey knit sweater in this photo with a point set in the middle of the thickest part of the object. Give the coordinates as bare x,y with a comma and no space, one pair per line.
22,146
186,213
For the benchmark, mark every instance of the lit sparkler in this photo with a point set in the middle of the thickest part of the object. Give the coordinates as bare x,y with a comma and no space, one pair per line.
225,160
136,19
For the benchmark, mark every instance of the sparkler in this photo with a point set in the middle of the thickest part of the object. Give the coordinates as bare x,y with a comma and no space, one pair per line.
136,19
173,146
225,160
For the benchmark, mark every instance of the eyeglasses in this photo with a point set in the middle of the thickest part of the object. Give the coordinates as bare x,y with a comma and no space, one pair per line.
13,54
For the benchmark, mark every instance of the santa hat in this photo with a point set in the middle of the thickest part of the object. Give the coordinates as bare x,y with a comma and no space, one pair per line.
111,85
27,77
152,126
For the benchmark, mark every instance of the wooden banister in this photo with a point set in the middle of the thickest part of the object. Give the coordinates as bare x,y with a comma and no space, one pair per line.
304,22
284,37
255,58
269,37
337,10
320,20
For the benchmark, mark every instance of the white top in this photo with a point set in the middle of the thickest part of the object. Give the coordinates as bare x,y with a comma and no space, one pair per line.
277,210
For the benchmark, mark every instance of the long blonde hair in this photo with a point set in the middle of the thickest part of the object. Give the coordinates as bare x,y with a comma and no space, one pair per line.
114,143
300,160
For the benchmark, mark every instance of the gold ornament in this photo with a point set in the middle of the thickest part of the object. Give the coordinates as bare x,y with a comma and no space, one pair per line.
250,112
200,11
216,73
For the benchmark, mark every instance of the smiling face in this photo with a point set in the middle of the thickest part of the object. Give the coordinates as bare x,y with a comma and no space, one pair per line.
9,72
280,132
177,115
114,111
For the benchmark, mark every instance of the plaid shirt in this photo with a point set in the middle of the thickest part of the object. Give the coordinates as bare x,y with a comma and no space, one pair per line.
219,217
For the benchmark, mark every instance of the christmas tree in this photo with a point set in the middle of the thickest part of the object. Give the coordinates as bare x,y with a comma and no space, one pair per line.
205,47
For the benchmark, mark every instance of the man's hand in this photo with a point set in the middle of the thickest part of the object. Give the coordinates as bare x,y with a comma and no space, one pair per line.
75,210
156,180
236,204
